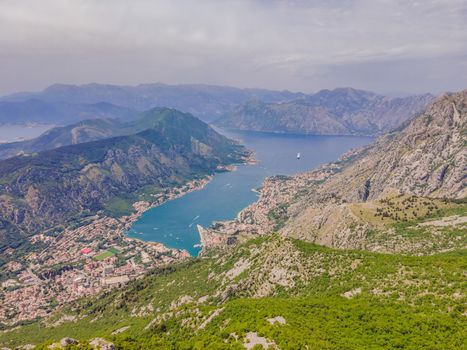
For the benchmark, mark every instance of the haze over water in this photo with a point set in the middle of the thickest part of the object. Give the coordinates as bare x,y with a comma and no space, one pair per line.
12,133
174,222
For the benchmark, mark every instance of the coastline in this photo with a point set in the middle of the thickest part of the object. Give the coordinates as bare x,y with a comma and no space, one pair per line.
206,238
143,206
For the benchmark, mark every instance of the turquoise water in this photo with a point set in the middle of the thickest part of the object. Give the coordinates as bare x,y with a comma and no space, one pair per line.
174,222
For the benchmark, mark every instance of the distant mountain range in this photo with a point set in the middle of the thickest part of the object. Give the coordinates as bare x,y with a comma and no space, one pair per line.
42,190
343,111
34,110
69,103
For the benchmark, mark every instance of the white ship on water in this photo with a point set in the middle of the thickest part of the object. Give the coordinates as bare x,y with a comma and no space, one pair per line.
298,155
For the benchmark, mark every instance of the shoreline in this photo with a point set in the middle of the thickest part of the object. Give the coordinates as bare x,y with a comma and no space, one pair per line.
143,206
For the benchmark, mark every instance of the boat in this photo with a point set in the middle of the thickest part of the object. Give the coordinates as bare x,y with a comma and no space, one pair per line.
298,155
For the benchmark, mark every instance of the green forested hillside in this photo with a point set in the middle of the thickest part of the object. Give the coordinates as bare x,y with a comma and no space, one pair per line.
276,291
42,190
83,131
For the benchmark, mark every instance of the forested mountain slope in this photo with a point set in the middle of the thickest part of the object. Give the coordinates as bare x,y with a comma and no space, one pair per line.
83,131
40,191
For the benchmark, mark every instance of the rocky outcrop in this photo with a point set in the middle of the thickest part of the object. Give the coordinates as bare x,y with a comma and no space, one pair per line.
426,158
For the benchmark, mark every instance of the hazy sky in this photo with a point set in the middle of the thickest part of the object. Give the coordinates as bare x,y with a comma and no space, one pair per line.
381,45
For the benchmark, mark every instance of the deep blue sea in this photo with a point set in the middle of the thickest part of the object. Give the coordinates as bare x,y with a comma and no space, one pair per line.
174,222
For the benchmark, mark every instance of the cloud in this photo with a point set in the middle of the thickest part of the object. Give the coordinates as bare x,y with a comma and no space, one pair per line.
297,45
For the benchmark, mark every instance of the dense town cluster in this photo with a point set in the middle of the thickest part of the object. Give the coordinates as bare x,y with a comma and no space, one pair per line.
82,261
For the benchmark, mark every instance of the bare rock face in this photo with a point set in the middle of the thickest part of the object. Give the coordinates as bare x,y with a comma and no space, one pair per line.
101,344
426,158
68,341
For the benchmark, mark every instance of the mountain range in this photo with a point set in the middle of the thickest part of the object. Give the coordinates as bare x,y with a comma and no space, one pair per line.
343,111
65,103
37,111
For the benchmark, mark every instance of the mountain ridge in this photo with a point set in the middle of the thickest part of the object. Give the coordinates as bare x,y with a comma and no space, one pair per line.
33,110
342,111
206,102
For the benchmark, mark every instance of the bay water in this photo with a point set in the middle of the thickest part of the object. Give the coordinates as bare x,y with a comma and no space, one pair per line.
174,222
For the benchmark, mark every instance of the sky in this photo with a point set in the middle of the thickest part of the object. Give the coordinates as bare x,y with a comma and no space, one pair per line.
387,46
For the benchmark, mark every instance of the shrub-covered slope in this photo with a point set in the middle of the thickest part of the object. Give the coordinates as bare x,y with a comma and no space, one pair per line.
279,291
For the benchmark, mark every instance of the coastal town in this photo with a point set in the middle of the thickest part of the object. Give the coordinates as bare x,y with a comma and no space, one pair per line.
83,261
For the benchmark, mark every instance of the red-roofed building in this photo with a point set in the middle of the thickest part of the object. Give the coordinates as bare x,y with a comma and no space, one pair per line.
86,251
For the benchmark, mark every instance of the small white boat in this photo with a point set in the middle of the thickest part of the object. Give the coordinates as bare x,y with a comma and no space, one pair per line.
298,155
